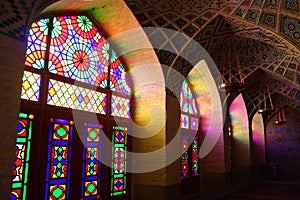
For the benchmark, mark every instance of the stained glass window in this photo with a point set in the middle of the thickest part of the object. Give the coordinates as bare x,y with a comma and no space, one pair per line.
70,64
184,157
189,122
37,44
194,123
59,159
118,173
120,79
21,158
31,83
188,106
195,152
184,121
91,167
77,50
71,96
120,107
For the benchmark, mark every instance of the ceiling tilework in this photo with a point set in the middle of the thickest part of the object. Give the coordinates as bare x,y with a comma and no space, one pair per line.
291,6
290,29
268,20
13,17
183,6
266,14
255,24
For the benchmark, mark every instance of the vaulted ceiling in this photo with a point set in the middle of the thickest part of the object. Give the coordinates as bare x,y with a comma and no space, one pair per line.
265,33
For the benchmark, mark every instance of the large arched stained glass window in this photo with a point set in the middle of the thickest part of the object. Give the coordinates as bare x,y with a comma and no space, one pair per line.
189,125
69,64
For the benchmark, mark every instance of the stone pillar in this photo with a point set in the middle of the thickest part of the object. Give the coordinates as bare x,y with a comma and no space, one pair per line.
11,66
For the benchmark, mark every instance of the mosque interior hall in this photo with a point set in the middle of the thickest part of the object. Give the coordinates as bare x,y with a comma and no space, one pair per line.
143,100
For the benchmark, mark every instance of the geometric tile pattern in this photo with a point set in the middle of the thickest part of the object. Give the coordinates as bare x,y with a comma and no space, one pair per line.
290,29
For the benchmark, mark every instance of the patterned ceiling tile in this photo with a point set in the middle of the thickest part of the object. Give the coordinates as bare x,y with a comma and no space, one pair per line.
13,17
290,75
190,30
209,15
240,12
190,16
272,4
258,3
246,2
200,22
268,20
291,6
183,6
170,16
253,15
228,9
160,21
180,23
290,29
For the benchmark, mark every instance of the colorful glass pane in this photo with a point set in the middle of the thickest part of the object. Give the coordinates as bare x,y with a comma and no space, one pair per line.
184,157
120,107
184,97
192,106
74,49
71,96
36,44
21,158
59,159
90,161
31,83
118,179
184,121
194,123
120,80
195,165
187,100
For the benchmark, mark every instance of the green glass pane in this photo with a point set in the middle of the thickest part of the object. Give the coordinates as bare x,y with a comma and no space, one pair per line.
24,192
57,192
117,193
91,188
61,132
119,128
21,140
118,175
119,145
58,173
16,185
93,134
23,115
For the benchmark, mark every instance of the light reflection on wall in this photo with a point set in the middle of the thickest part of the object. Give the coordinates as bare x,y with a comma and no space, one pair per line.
240,132
211,116
239,119
258,139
